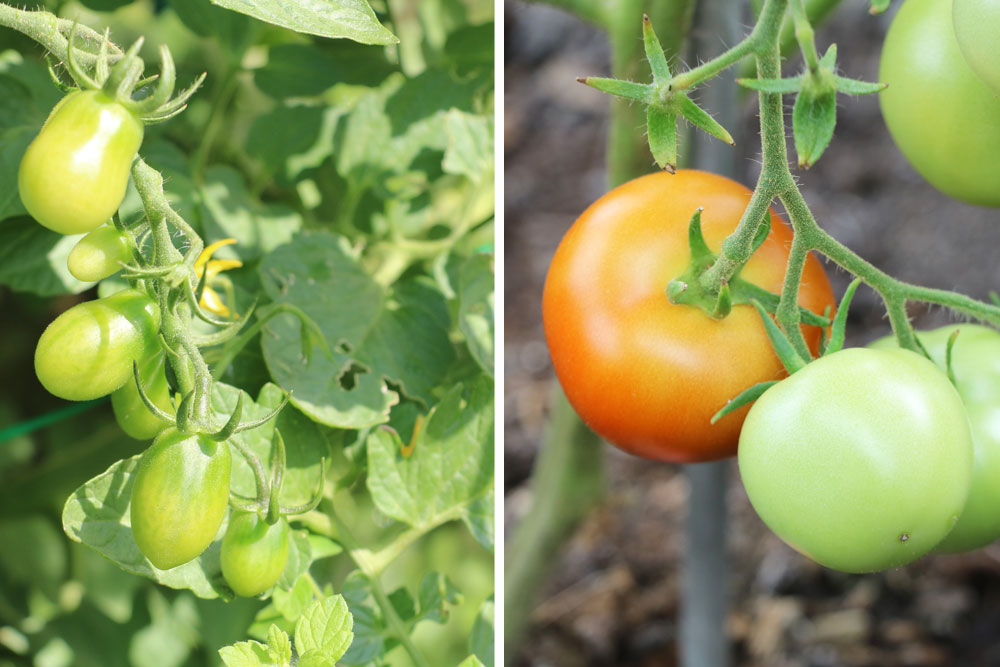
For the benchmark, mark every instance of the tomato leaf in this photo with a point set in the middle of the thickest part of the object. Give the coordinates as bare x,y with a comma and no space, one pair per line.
450,466
475,310
353,19
481,639
245,654
325,627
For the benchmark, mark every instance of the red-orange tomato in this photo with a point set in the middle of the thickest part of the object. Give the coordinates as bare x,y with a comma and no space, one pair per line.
645,374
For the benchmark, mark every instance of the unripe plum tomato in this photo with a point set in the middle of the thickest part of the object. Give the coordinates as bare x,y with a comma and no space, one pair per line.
975,363
87,352
977,28
942,116
73,176
254,553
646,374
97,255
861,461
130,412
179,497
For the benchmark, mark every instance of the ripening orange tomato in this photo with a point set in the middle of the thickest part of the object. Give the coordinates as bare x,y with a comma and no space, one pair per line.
646,374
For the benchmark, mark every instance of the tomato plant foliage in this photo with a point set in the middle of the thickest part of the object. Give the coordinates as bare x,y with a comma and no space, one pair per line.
342,184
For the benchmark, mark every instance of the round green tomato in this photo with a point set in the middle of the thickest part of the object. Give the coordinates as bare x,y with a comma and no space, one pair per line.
132,414
977,29
73,176
87,351
942,116
254,553
179,497
97,255
862,460
975,362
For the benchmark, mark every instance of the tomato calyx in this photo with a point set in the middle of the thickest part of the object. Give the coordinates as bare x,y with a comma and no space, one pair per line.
266,503
717,301
119,76
666,99
815,113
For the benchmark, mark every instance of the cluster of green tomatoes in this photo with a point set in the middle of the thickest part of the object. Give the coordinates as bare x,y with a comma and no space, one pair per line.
862,459
72,179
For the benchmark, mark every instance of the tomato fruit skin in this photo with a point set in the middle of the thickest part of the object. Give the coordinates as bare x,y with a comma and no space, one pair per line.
87,351
254,553
645,374
179,497
73,176
861,461
97,255
130,412
941,115
977,25
975,363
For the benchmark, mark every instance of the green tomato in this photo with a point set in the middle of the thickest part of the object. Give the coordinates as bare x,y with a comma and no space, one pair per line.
975,362
861,461
97,255
87,352
73,176
132,414
254,553
179,497
977,29
942,116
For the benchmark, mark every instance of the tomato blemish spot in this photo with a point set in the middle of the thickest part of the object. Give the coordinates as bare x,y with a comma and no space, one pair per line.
904,537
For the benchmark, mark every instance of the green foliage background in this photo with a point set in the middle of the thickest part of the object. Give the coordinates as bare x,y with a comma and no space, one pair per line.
357,176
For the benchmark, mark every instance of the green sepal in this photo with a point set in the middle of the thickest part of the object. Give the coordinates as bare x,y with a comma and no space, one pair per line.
724,302
814,116
147,401
947,354
746,292
781,86
640,92
783,347
234,421
878,6
686,288
745,397
839,327
700,118
661,130
701,254
654,52
995,298
857,87
763,231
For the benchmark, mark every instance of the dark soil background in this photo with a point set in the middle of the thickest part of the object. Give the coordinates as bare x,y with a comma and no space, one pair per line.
613,596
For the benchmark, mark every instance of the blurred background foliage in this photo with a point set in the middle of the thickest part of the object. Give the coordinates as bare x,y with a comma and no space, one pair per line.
280,138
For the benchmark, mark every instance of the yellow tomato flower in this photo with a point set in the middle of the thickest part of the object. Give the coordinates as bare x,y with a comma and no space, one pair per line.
210,269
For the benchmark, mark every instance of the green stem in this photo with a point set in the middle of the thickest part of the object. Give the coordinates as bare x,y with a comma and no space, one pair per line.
566,483
48,30
396,624
804,35
592,11
215,120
